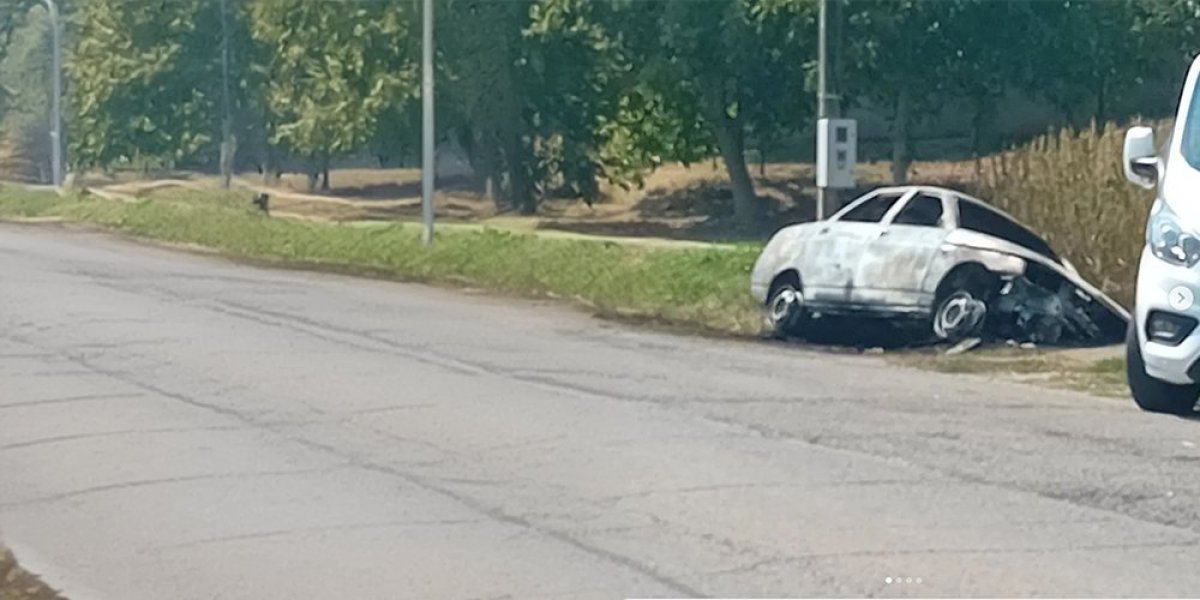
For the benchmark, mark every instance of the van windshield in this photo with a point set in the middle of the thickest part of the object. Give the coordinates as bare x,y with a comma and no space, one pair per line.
1190,145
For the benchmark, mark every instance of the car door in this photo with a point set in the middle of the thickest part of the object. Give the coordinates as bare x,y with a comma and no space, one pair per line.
832,254
892,267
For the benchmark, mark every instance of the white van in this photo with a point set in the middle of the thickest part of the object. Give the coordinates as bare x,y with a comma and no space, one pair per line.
1162,345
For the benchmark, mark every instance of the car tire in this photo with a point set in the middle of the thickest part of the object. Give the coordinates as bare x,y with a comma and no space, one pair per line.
1151,394
786,313
958,313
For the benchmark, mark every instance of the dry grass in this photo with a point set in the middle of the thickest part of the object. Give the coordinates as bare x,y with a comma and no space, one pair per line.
17,584
676,202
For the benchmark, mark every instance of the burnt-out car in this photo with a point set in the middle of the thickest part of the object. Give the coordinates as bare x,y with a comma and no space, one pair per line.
952,263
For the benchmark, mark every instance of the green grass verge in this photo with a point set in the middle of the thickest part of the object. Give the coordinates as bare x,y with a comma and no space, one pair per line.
704,289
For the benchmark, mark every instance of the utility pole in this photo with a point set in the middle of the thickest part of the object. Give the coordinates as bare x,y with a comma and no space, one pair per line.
428,159
823,194
227,143
56,119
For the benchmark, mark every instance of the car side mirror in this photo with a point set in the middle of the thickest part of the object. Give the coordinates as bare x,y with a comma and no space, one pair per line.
1140,159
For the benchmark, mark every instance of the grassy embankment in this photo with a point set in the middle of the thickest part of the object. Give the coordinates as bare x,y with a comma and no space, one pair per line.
699,288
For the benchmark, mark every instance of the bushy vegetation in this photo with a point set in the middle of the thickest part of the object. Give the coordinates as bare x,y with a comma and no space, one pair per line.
549,96
697,288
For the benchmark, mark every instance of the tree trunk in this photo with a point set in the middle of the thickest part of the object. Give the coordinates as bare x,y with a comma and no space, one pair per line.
520,187
485,160
518,159
901,153
747,210
325,187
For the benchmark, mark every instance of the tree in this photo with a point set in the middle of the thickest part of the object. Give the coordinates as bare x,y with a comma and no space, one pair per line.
486,93
738,66
1090,52
549,97
607,119
10,16
25,82
144,81
334,70
988,54
895,57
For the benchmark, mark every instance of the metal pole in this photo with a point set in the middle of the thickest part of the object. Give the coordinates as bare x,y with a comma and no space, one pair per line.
56,119
227,121
428,165
822,92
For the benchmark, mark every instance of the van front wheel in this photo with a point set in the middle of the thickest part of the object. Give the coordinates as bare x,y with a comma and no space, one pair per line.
1151,394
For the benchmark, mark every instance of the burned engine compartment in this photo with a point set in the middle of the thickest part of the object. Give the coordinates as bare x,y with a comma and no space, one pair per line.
1043,307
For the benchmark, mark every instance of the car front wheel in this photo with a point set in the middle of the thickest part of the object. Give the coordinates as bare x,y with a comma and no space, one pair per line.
958,315
1151,394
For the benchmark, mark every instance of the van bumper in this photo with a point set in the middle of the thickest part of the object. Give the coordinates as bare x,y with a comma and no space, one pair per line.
1157,281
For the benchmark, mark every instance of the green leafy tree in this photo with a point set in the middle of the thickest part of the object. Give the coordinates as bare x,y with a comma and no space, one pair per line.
607,119
25,87
334,69
894,58
737,67
549,97
143,82
1090,54
484,96
987,56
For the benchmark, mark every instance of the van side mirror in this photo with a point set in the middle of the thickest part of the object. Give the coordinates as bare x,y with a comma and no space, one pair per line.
1140,160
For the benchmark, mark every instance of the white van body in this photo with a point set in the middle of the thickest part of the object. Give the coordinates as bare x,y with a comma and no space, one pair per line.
1163,344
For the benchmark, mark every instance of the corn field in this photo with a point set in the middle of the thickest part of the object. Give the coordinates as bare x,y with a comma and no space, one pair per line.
1069,187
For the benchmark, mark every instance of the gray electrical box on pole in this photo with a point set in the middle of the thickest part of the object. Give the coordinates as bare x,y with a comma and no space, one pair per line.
837,153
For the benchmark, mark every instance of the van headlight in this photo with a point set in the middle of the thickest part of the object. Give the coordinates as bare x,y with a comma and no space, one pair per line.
1169,241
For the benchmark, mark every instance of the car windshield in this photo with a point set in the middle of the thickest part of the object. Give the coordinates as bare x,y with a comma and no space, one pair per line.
1190,145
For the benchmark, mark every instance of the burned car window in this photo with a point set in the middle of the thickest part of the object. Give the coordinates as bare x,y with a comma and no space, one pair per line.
871,211
977,217
923,210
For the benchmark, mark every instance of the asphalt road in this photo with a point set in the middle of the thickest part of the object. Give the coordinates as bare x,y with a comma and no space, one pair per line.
176,426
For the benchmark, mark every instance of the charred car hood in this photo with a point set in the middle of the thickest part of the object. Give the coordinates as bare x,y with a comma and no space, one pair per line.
971,239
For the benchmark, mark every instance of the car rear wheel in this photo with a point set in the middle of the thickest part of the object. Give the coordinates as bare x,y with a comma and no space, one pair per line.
1151,394
786,313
